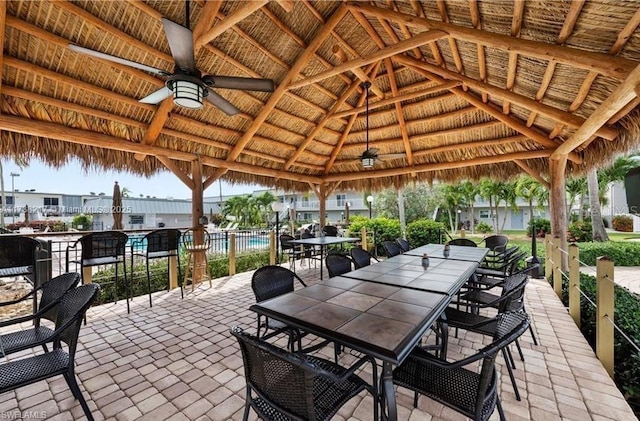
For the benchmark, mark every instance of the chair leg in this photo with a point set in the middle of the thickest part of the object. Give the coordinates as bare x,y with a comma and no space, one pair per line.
44,346
533,335
127,289
247,406
511,376
500,411
149,284
511,360
519,350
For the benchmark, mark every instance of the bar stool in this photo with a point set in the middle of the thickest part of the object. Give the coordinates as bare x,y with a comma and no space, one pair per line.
197,269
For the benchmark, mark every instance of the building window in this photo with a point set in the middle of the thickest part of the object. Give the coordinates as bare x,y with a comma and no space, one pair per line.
341,199
484,214
305,201
51,201
9,200
136,219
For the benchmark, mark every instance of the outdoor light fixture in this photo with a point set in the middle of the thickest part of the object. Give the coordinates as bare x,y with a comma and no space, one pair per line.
367,162
187,93
369,201
367,159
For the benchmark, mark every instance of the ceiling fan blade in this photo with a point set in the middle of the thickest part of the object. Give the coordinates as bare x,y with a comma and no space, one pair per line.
392,155
157,96
181,44
372,151
242,83
119,60
224,105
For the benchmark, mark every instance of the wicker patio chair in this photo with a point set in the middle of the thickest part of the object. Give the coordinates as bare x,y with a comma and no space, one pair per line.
18,256
361,257
52,292
330,231
464,242
472,394
391,248
310,252
338,264
292,251
22,372
291,386
496,242
403,244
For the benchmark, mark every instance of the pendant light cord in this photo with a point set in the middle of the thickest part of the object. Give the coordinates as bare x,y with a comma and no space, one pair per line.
367,85
188,12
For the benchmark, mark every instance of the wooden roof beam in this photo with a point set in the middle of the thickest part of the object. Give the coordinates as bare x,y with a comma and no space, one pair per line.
532,173
83,137
360,74
439,166
453,46
400,47
405,31
155,127
403,127
246,9
512,65
177,171
620,97
551,112
205,22
474,12
3,16
616,67
287,5
435,50
400,98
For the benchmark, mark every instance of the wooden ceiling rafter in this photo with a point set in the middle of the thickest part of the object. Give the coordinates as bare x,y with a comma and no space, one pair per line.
453,46
474,12
301,61
177,171
565,31
358,72
157,123
435,50
403,127
533,173
336,106
615,67
206,20
83,137
516,26
621,40
243,11
347,130
406,33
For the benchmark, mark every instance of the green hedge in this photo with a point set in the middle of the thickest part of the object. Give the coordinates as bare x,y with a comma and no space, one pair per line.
627,317
424,231
622,253
383,229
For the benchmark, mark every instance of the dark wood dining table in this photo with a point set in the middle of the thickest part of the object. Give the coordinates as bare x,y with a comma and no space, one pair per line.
322,242
383,311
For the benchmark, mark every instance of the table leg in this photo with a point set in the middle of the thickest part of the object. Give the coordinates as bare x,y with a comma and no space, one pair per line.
388,408
321,259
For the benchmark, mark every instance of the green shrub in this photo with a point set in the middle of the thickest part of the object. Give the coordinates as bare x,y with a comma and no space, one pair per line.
483,228
627,317
543,227
622,223
424,231
622,253
82,222
383,229
580,232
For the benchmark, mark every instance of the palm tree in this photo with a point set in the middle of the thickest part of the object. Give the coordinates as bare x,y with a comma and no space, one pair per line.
507,193
598,231
453,199
490,190
529,189
469,192
263,202
575,188
125,192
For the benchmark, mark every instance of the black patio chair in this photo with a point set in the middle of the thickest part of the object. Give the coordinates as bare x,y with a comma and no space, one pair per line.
18,257
158,244
52,292
496,242
293,386
403,244
22,372
361,257
391,248
292,251
466,391
338,264
103,248
464,242
330,231
310,252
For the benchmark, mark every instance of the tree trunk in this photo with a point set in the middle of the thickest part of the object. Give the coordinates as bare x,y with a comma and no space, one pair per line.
504,217
473,220
494,214
598,231
450,220
401,213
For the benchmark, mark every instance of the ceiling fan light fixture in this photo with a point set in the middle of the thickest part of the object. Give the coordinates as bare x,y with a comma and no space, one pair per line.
187,94
367,162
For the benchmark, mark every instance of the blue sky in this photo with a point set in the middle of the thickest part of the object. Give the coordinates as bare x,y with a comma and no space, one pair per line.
71,179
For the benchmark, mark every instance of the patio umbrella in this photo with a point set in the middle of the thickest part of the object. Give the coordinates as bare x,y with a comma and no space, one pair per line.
116,207
26,215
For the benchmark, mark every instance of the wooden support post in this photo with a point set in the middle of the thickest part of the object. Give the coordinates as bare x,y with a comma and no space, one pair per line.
463,233
197,199
557,267
322,198
574,283
173,272
272,248
548,246
87,274
558,204
363,235
604,302
232,254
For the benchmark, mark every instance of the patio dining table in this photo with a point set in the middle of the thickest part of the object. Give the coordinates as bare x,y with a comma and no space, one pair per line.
322,242
369,312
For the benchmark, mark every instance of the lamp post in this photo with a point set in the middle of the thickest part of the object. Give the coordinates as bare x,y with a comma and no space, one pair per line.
370,202
13,196
347,205
277,208
459,216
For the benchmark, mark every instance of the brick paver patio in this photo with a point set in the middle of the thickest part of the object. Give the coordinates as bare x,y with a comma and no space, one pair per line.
176,361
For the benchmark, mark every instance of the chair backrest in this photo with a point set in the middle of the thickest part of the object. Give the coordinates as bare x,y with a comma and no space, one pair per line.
464,242
285,380
308,250
391,248
512,290
361,257
162,240
103,244
73,305
403,244
53,290
17,252
496,242
272,281
196,238
285,241
337,264
330,230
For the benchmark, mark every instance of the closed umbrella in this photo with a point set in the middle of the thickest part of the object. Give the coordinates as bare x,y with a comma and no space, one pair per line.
116,208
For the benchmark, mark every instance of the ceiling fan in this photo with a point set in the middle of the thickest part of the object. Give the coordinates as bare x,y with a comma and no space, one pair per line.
370,155
186,83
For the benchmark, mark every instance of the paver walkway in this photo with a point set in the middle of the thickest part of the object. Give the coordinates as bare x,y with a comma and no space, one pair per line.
177,361
625,276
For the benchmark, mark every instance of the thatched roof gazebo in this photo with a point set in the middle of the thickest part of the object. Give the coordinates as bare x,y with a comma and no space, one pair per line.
460,89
